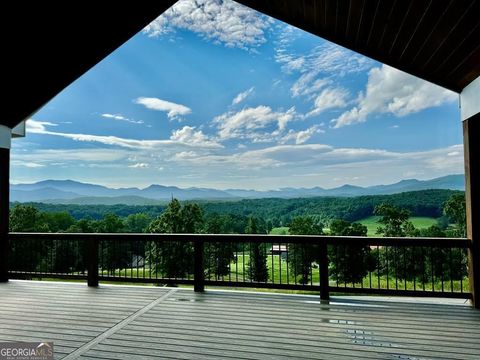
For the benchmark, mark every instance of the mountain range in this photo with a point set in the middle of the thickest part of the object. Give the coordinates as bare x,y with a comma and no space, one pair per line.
74,192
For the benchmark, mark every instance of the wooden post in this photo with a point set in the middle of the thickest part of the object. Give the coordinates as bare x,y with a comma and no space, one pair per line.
199,275
4,211
471,134
92,262
323,259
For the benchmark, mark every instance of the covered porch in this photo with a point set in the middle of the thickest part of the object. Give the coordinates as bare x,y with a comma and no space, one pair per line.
430,40
138,322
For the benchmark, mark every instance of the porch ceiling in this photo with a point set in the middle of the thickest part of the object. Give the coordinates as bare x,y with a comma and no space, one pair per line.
47,45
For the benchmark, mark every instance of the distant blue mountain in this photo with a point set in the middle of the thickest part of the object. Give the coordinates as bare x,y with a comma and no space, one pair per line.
69,191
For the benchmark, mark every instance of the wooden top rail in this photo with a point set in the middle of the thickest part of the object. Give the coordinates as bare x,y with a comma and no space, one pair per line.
260,238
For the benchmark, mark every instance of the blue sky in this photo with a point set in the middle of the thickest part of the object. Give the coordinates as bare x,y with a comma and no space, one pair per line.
221,96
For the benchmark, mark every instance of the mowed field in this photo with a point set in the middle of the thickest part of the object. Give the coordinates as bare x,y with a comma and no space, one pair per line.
372,224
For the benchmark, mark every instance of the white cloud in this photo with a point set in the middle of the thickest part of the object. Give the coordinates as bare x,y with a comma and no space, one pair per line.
253,123
302,136
308,84
390,91
327,58
120,117
242,96
34,126
221,21
173,110
176,140
319,165
188,135
330,98
47,158
28,164
139,166
318,69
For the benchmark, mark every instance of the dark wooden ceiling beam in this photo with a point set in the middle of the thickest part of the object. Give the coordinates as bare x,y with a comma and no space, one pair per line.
383,22
372,24
355,14
399,33
448,35
415,23
430,30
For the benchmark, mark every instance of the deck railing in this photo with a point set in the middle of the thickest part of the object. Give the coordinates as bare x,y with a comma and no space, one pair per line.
386,266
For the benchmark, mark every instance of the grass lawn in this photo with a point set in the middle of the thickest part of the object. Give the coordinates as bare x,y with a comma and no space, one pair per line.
283,230
372,224
278,274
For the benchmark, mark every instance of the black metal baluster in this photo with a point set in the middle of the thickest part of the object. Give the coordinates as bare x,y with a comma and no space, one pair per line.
338,263
395,264
441,271
287,265
378,266
414,264
461,270
405,267
273,265
423,267
432,259
243,261
386,259
451,269
280,261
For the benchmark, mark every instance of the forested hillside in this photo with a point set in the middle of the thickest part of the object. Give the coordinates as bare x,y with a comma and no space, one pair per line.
280,211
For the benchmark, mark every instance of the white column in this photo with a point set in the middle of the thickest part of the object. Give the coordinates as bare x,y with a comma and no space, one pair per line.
5,137
470,99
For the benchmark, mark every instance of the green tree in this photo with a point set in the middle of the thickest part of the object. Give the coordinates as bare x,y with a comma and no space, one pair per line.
403,263
174,259
57,221
25,218
137,223
302,256
111,223
443,263
455,209
218,256
349,264
27,255
115,254
394,219
86,225
257,265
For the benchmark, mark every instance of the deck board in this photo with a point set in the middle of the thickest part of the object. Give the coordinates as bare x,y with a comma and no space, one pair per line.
140,322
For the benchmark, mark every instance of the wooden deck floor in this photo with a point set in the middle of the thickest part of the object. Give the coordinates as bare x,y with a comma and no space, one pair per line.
133,322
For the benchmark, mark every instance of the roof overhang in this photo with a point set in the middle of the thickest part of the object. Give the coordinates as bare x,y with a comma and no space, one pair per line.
48,45
438,41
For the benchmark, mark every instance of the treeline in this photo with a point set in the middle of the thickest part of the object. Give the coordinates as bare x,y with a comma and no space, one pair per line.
280,212
277,212
175,259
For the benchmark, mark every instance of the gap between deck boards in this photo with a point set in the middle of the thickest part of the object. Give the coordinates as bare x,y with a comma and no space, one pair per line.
84,348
